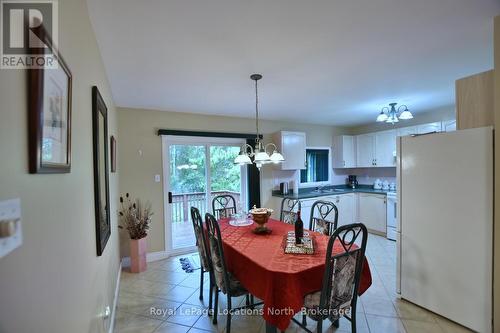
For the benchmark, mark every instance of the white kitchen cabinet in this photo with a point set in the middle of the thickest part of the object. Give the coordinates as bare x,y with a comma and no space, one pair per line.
293,147
385,148
344,151
346,205
429,128
373,212
405,131
365,150
305,210
376,149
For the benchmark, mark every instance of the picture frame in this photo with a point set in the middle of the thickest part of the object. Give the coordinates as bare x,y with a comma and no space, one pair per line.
112,142
101,170
49,114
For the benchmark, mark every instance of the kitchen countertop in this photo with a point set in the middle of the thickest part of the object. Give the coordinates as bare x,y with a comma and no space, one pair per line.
306,193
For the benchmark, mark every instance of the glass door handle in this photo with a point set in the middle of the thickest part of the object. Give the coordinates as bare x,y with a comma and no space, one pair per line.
169,197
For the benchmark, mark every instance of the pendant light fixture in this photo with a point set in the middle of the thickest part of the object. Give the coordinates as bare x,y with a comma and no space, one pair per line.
259,153
391,115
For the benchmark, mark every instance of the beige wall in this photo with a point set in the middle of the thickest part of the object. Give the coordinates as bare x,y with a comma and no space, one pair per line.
138,131
55,282
496,225
438,114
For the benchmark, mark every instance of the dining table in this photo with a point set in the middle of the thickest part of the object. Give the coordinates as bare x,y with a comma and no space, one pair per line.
280,280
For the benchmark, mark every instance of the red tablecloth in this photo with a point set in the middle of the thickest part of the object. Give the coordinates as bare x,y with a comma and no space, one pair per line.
280,280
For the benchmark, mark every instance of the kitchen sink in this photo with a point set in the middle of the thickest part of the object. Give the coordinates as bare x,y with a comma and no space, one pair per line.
324,190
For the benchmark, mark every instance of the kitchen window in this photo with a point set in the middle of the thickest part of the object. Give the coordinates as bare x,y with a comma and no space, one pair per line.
318,167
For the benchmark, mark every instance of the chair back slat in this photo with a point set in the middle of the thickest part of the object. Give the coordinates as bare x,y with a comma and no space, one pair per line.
343,270
219,266
289,209
223,206
201,239
324,217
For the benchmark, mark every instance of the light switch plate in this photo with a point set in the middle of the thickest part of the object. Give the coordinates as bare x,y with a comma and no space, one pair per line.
157,178
10,210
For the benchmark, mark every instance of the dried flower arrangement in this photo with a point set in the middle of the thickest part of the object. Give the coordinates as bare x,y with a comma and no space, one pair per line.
135,217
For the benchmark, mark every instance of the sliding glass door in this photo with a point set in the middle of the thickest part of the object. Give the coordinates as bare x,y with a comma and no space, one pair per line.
195,171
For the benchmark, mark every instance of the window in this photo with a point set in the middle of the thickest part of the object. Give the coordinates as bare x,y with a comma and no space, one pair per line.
318,167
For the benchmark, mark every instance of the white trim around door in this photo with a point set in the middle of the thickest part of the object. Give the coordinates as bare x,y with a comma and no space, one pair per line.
168,140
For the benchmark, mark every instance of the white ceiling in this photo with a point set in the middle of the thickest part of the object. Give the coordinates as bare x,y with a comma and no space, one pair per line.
323,61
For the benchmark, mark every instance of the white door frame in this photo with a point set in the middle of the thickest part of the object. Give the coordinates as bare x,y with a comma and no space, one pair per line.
168,140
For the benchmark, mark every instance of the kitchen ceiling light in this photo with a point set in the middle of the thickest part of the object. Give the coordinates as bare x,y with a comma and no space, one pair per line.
392,116
382,117
259,152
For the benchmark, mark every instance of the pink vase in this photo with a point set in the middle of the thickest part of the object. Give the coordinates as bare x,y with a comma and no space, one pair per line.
138,255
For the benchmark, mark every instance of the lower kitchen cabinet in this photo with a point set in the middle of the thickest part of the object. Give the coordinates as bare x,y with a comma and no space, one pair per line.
306,206
372,212
346,204
367,208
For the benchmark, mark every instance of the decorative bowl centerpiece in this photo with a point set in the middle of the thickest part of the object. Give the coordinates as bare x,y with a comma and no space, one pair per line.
260,216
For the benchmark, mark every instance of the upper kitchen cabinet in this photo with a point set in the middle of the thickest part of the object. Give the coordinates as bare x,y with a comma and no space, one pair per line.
365,150
344,151
405,131
293,147
474,100
429,128
376,149
385,148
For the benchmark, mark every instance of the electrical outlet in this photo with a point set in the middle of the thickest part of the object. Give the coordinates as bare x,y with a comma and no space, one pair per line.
157,178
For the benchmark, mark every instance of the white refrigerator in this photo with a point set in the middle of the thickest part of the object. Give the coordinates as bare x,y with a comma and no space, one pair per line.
445,224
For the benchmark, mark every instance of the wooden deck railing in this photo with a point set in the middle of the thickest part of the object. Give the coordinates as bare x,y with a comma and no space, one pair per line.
181,204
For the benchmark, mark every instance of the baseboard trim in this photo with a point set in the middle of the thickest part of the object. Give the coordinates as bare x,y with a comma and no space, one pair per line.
115,300
150,257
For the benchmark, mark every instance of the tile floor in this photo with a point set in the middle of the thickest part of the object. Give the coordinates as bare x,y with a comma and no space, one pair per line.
166,287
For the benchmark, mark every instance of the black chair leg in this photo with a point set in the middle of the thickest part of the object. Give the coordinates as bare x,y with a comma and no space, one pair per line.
228,320
336,323
319,328
214,321
353,322
210,290
304,320
252,301
202,272
247,300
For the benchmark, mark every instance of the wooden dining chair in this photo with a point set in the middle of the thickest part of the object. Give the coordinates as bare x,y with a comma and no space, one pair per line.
324,217
223,279
339,294
203,251
289,209
223,206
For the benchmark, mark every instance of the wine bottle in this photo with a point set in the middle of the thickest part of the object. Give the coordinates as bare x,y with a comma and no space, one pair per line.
299,229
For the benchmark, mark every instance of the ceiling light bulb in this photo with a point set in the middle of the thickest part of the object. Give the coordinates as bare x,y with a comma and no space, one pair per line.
242,159
261,156
392,120
405,115
276,157
382,117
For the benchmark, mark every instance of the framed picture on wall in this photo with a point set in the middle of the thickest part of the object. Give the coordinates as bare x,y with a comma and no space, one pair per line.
49,118
101,169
